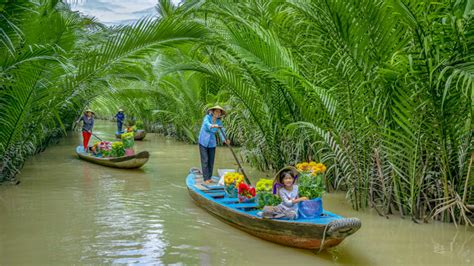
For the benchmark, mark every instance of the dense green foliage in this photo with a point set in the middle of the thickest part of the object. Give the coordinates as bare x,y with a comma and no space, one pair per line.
54,62
379,90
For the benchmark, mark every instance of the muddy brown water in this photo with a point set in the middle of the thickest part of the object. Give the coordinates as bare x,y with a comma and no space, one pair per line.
68,211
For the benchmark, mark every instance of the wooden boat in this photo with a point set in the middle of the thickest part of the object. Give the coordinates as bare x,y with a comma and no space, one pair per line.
320,233
139,134
125,162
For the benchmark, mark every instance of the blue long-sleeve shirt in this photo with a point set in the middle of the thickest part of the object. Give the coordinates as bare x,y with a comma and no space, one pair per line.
207,137
120,117
87,123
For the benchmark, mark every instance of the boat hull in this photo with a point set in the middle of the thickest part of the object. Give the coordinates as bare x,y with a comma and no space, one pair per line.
124,162
285,232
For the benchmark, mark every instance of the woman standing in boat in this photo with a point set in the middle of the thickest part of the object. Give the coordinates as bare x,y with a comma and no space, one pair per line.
120,118
211,125
87,125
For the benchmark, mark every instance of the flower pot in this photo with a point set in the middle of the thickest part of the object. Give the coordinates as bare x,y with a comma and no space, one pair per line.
231,191
129,152
245,199
310,208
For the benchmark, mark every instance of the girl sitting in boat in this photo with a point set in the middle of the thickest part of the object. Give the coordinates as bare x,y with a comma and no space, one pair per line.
284,185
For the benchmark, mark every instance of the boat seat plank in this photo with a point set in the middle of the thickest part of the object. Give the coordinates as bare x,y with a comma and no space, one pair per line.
228,200
243,205
213,191
213,186
216,194
201,187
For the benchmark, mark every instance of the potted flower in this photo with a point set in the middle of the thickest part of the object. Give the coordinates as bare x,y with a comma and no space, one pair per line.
117,149
265,196
128,143
245,192
105,148
232,181
311,185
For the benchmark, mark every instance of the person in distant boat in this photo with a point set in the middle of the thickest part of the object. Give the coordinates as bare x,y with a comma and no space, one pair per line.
120,118
87,125
284,186
211,125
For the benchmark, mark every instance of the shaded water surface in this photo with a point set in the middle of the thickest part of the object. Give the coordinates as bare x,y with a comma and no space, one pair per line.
70,211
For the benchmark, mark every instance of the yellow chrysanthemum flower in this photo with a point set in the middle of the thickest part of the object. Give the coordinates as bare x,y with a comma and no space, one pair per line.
322,167
233,178
264,185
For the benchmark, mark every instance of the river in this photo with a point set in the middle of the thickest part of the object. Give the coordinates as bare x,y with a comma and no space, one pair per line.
68,211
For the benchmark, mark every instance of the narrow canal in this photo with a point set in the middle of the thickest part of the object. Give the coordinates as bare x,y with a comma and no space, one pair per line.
70,211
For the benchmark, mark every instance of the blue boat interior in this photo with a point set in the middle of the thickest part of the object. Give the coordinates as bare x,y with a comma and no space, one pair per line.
217,194
80,149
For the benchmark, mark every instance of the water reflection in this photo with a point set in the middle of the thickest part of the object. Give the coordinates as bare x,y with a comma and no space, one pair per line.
128,227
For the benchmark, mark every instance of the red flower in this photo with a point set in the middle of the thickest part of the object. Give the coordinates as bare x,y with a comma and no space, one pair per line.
252,192
245,190
243,187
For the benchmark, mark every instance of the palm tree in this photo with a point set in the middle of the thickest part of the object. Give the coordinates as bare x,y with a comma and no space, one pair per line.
55,61
378,89
381,91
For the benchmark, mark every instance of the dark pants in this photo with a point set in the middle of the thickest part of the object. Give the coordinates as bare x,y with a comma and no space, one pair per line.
119,126
207,161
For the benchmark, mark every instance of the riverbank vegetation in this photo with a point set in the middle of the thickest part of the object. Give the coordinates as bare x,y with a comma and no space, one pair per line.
380,91
54,62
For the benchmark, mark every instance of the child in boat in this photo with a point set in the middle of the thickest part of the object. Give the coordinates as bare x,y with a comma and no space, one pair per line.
284,185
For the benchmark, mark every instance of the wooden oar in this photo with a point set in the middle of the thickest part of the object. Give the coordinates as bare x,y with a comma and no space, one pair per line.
236,159
96,136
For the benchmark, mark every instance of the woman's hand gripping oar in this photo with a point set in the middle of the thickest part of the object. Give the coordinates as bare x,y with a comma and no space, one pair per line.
235,157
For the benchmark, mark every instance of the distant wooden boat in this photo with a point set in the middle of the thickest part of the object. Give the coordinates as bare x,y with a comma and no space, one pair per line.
139,134
320,233
125,162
